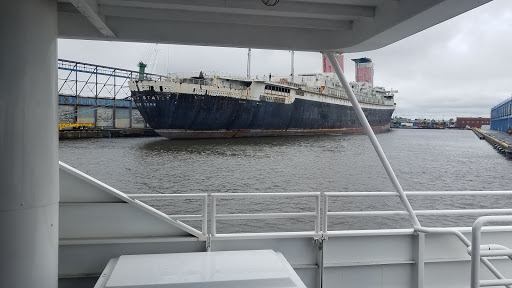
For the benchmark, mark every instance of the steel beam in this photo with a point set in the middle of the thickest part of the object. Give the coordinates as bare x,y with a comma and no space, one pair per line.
89,8
249,7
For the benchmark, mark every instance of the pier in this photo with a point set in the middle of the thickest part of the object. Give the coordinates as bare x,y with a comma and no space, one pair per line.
95,102
501,141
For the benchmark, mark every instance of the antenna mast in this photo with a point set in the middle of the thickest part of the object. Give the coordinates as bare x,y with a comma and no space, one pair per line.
249,64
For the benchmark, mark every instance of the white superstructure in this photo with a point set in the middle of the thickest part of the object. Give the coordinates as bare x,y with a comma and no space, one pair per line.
280,89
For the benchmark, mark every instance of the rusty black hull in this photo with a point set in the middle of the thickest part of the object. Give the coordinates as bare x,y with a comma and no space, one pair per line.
181,116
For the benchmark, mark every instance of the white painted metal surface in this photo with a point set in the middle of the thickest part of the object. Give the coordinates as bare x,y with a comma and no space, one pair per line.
300,25
82,182
250,269
29,187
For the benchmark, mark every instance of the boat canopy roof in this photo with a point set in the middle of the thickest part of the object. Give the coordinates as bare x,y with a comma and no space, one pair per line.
301,25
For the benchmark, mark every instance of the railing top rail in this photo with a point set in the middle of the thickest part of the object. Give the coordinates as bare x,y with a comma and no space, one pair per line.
419,193
360,194
164,196
440,212
260,195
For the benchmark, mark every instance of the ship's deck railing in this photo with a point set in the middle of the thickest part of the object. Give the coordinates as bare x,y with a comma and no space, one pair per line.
478,253
438,212
215,216
203,217
321,213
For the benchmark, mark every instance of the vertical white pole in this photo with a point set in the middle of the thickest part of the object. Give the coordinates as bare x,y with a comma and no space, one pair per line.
214,216
475,253
204,202
419,258
293,66
318,217
325,211
249,63
29,175
376,145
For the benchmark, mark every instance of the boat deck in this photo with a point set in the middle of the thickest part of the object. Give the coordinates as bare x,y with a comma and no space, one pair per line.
99,223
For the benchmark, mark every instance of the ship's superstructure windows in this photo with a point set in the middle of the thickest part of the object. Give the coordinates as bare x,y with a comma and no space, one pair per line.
276,90
196,81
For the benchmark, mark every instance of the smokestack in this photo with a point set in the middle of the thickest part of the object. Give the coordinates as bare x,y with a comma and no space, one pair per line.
328,66
364,70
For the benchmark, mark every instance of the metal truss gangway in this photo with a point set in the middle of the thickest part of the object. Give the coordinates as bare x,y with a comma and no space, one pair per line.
98,81
84,88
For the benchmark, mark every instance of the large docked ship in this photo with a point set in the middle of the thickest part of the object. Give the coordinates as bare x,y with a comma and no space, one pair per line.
210,106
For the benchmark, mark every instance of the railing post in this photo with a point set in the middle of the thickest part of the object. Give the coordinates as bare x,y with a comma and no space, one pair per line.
475,250
475,253
214,215
419,258
318,215
325,211
205,215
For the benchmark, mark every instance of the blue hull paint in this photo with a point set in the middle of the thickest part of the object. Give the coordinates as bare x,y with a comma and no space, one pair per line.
203,116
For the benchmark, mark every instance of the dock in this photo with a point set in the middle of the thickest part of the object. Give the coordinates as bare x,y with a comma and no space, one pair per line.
107,133
501,141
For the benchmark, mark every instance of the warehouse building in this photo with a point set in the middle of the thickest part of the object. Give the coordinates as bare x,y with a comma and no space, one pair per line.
472,122
501,115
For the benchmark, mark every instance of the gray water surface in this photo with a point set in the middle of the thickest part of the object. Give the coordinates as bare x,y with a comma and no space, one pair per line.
424,160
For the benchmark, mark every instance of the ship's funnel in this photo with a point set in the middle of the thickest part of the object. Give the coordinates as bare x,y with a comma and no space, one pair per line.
328,66
142,70
364,70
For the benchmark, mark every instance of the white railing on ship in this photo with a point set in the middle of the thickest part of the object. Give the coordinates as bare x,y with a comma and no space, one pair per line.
321,215
321,211
438,212
203,217
477,255
215,216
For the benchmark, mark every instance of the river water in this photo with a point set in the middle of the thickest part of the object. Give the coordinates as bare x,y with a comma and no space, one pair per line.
424,160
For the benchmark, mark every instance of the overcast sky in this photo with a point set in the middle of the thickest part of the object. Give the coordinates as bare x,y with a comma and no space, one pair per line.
461,67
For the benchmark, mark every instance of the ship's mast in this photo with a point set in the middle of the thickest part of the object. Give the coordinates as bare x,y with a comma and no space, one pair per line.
249,63
293,66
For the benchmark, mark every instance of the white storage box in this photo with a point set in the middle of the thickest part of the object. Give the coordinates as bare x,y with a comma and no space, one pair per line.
226,269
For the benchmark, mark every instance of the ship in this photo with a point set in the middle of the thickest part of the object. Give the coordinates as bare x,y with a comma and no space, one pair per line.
213,106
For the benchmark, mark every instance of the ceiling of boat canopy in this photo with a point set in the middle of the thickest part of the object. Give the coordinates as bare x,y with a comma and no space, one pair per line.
302,25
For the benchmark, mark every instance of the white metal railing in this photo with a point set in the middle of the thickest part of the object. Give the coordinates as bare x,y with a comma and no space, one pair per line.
438,212
215,216
477,255
321,216
321,212
203,217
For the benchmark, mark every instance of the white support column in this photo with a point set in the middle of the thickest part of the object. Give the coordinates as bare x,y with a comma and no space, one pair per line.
376,145
29,186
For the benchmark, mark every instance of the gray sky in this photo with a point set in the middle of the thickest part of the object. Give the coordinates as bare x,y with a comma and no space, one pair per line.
458,68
